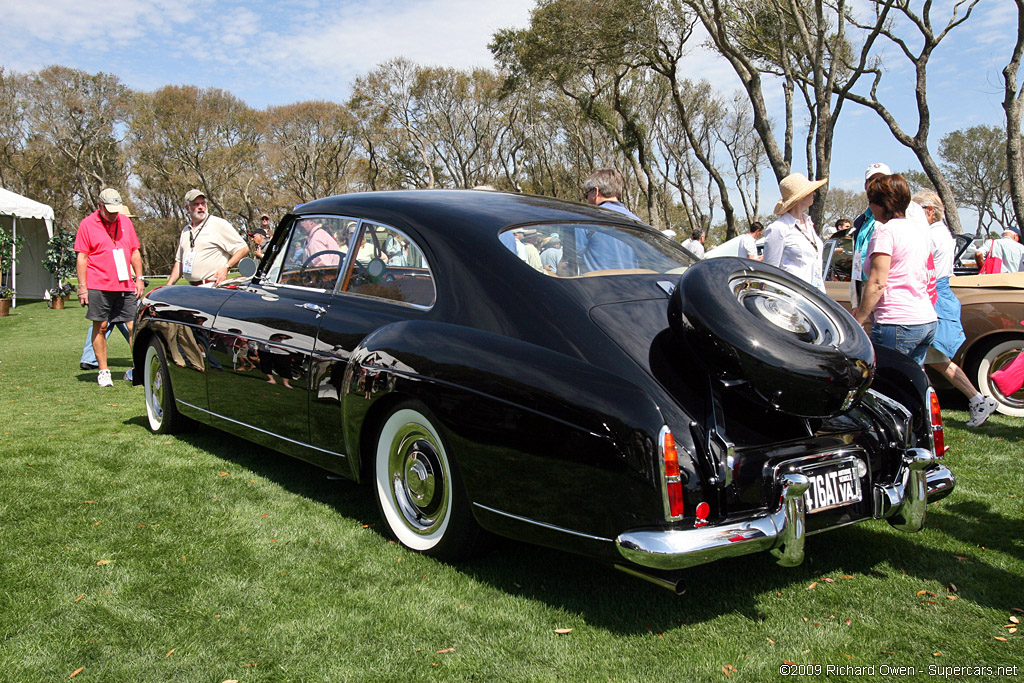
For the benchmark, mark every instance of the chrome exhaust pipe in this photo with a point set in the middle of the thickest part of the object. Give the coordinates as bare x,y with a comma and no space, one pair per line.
677,586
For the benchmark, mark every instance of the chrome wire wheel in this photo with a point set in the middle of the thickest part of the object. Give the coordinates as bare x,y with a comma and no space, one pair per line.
779,304
413,480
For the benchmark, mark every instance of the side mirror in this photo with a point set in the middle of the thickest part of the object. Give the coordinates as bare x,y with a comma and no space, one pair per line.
247,267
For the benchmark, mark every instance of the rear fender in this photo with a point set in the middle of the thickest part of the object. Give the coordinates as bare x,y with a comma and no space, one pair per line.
903,380
516,412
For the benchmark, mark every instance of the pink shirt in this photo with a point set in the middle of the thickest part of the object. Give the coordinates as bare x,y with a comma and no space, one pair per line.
905,300
98,243
319,241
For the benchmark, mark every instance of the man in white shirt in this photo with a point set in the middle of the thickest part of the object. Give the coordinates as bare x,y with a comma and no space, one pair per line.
1008,248
696,242
208,248
748,243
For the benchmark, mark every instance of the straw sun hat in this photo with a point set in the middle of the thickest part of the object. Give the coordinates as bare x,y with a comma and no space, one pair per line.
793,188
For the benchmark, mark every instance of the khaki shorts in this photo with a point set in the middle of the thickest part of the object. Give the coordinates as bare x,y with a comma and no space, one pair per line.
935,356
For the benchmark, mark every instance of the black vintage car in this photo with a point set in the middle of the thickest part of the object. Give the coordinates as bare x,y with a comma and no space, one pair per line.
549,371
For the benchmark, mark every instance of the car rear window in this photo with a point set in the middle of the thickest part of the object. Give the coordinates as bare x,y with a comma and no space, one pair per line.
585,250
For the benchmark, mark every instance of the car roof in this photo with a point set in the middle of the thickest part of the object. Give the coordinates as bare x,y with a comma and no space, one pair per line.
461,215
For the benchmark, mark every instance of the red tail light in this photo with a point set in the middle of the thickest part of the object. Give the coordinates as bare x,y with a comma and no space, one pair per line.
670,476
938,438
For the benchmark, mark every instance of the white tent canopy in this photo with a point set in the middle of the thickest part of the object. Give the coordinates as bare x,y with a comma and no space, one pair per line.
34,221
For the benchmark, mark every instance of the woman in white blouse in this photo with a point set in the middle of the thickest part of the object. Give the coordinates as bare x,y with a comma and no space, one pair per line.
791,242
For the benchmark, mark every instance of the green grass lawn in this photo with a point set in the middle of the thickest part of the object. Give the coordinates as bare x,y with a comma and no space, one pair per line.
138,557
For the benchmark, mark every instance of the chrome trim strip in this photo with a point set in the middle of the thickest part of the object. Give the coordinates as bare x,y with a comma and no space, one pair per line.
782,531
257,429
545,525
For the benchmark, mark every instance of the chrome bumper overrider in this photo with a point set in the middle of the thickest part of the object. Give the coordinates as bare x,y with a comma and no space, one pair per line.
783,530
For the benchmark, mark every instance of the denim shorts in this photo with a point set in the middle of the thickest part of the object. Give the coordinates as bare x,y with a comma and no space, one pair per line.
911,340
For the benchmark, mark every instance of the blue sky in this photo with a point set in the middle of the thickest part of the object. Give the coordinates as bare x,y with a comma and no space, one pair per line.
271,53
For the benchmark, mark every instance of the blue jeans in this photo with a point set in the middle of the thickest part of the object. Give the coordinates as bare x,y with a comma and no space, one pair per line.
910,340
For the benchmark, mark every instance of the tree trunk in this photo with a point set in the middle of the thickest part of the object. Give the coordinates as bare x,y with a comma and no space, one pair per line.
1012,105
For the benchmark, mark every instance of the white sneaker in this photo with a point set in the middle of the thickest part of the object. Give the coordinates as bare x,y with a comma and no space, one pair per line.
103,379
981,410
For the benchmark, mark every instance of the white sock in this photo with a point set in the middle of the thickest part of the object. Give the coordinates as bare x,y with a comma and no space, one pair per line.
977,398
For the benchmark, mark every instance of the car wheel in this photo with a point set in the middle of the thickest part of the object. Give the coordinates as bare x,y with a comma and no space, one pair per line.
996,356
161,412
758,326
419,492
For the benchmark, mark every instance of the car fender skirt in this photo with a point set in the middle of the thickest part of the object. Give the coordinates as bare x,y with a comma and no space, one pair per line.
781,531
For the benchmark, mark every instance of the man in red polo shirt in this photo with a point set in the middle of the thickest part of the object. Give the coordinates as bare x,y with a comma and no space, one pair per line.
108,255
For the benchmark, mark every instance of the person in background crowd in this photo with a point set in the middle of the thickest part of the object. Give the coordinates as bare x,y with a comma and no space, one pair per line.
696,242
896,292
259,242
552,253
1007,248
864,227
108,255
530,239
603,188
791,242
841,224
597,250
949,333
748,243
208,248
321,246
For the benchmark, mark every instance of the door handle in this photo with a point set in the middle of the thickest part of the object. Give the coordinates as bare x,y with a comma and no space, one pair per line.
319,310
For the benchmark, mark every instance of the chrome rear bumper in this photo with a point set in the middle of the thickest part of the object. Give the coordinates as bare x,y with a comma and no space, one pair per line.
783,530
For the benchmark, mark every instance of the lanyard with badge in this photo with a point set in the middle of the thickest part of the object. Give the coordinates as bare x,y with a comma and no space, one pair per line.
186,265
120,262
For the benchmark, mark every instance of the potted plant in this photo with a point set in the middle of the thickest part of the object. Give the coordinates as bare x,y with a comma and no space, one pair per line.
6,294
60,293
9,248
60,259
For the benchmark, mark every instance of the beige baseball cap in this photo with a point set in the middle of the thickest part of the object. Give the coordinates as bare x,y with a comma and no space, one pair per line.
111,200
191,195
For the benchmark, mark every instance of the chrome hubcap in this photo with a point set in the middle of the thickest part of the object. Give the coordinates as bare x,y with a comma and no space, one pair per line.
155,382
419,480
783,307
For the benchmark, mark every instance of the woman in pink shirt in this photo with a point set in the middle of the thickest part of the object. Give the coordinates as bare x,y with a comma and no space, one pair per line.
896,294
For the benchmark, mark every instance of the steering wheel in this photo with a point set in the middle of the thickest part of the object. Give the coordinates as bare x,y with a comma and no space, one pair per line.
308,279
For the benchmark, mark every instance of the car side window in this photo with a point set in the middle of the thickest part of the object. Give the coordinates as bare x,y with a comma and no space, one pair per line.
386,264
313,253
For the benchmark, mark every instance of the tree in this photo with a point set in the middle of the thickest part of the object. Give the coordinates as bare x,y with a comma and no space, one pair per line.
974,162
73,149
895,32
803,44
1013,105
310,150
390,123
182,137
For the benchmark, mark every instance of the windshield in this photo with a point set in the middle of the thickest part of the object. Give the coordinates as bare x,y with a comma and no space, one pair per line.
582,249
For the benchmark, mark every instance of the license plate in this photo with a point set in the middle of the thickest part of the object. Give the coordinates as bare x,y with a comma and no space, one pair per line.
832,485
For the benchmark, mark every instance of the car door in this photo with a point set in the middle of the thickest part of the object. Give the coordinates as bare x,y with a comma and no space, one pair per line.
266,333
386,280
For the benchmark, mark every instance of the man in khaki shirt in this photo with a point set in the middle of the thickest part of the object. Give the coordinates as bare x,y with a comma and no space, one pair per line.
209,247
